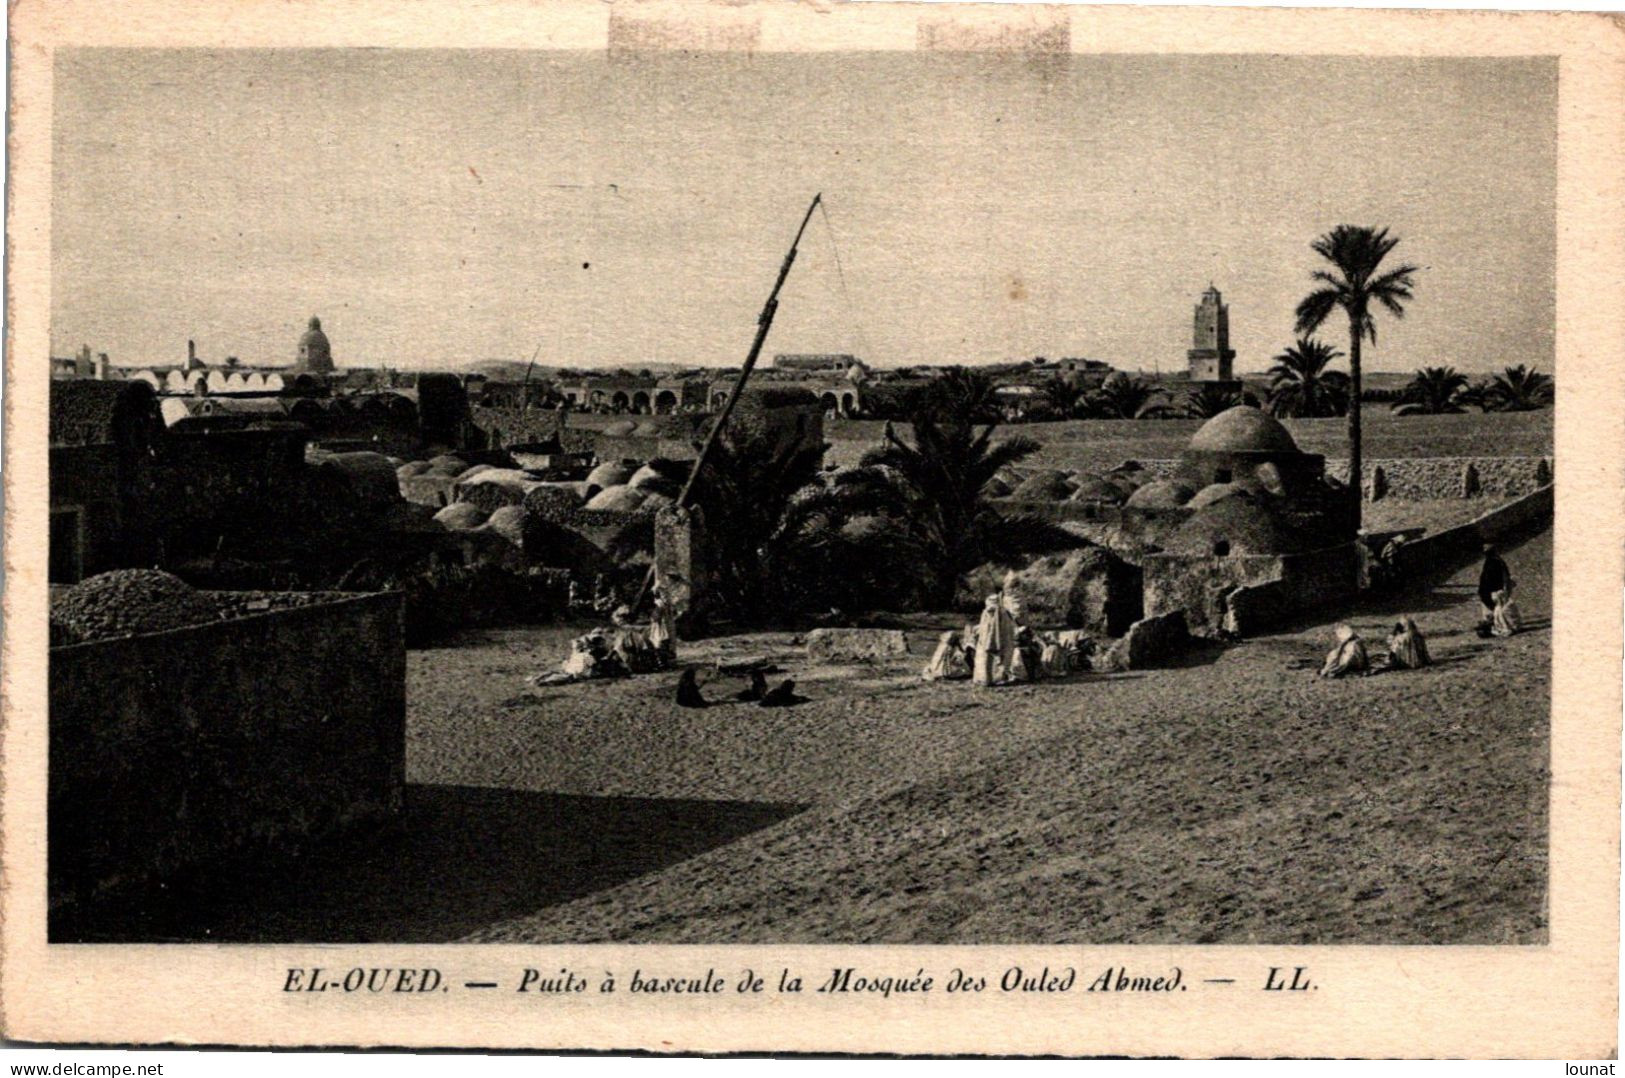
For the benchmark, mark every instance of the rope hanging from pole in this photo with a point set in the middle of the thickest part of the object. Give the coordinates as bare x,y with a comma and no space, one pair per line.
840,274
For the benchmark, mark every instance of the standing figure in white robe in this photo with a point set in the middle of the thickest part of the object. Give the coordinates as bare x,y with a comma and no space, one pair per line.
1012,599
995,643
663,628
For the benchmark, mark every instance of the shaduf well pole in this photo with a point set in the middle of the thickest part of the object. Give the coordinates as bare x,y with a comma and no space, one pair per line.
764,322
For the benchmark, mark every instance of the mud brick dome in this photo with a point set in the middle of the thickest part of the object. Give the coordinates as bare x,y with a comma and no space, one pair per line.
1243,429
1239,523
1245,445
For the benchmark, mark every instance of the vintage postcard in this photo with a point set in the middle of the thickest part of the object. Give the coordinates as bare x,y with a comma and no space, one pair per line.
814,527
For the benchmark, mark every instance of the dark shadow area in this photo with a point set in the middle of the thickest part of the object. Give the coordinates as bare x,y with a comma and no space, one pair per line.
458,858
1199,652
1418,598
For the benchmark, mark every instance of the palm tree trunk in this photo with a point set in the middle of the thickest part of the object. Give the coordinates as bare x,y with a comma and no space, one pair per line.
1356,469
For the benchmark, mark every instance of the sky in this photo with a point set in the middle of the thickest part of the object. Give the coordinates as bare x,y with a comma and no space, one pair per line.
436,208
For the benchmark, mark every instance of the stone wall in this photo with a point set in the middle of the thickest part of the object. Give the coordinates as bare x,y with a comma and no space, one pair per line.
679,556
586,540
86,501
172,749
1244,594
1307,582
1088,588
1442,551
1426,478
82,410
194,488
1198,584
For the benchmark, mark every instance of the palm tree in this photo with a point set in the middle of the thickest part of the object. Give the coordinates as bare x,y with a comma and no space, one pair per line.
941,477
966,394
1209,400
1433,391
1301,386
746,490
1476,395
1124,397
1357,253
846,541
1518,389
1060,397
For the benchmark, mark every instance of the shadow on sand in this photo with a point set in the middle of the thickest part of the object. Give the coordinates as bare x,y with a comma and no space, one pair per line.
458,859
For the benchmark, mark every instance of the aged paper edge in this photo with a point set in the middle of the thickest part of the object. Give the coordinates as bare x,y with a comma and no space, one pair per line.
1553,1000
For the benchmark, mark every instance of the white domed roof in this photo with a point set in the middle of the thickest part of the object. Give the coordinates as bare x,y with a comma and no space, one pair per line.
1243,429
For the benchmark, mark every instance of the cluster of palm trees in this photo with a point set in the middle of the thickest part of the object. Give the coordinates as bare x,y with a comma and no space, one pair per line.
1446,391
1124,396
898,530
1302,385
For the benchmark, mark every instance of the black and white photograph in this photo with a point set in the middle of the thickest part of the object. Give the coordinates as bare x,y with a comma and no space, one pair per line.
929,497
791,527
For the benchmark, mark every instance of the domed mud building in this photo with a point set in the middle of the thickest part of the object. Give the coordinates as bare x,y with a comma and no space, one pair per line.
1245,445
1264,536
1243,529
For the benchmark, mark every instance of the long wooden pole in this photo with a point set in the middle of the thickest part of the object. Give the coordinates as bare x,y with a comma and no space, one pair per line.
764,322
524,388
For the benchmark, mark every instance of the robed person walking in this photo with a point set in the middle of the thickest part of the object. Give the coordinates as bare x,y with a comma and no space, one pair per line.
1493,577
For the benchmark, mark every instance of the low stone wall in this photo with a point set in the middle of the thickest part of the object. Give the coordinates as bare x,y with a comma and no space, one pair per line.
173,749
588,540
1444,550
518,426
1412,479
1408,479
855,645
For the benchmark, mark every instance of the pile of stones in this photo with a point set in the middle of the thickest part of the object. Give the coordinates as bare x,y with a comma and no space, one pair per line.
127,602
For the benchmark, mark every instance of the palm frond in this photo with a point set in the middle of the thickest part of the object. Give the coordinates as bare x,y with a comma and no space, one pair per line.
1314,309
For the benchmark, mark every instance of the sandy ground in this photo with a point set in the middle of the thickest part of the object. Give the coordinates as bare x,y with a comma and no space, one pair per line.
1233,798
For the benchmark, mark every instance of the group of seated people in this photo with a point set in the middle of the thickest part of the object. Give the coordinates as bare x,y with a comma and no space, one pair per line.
1407,650
1000,650
623,648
